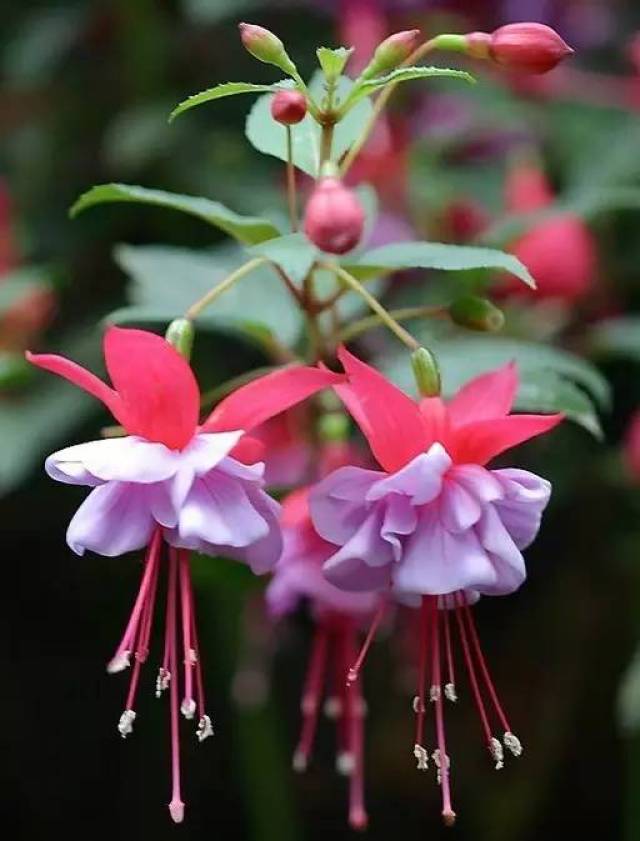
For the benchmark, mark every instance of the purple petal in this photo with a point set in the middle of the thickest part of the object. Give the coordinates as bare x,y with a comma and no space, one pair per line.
525,498
504,554
114,518
480,482
400,518
459,510
207,449
421,479
363,562
337,503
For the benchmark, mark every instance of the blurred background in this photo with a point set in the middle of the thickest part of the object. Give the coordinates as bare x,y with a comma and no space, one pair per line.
86,87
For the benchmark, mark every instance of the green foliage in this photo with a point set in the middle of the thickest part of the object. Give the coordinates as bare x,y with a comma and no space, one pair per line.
165,281
19,284
225,89
246,229
269,137
435,255
333,62
552,380
405,74
293,253
618,337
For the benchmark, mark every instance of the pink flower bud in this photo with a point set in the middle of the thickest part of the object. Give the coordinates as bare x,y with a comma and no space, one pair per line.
261,43
392,51
525,47
288,107
334,219
527,188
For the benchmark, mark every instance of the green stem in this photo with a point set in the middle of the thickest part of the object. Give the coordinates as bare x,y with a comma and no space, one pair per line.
196,309
326,142
385,318
403,314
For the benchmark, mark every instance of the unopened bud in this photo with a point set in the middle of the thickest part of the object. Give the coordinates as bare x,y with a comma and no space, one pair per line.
527,188
476,313
334,219
525,47
180,334
426,372
289,107
392,52
265,46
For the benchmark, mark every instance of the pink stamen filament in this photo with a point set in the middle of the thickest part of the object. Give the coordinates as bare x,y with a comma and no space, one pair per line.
473,680
354,671
341,696
425,611
354,715
196,647
120,659
311,696
483,666
188,704
451,675
176,806
449,816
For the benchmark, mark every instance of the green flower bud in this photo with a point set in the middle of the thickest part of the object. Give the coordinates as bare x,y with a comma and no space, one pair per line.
476,313
426,372
265,46
391,52
180,333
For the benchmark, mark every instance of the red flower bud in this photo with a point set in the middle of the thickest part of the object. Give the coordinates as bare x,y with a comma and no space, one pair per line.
392,52
288,107
525,47
527,189
560,254
334,219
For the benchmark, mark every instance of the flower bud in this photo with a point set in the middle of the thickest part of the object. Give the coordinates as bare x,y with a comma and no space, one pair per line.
426,372
265,46
180,334
476,313
288,107
333,426
334,219
527,188
392,52
524,47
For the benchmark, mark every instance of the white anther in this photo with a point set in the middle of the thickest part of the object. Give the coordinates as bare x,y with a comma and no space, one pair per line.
497,752
417,706
513,743
422,756
125,725
333,707
188,708
299,761
119,663
162,681
450,692
345,763
193,657
204,729
434,693
438,763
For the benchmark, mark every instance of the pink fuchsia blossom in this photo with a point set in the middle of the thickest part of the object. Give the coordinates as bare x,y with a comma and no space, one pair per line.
172,481
287,451
337,617
521,47
435,526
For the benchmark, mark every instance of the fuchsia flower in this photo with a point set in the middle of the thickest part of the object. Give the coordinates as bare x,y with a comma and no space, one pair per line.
333,219
435,526
337,614
172,481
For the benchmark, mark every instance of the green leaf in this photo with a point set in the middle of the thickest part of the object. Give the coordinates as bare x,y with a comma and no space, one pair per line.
225,89
269,137
15,371
165,281
20,283
551,380
246,229
435,255
333,62
617,337
406,74
294,253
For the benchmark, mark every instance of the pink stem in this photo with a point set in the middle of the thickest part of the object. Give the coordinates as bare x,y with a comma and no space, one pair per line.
484,720
354,713
176,806
196,647
448,814
422,670
483,666
310,704
120,659
451,675
185,602
354,671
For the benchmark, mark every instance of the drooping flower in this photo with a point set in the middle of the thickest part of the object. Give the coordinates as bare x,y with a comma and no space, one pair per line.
172,482
435,527
337,615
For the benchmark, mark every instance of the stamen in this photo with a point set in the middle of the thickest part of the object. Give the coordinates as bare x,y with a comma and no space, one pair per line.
188,705
162,681
205,728
434,693
332,707
345,763
354,714
440,756
121,659
513,743
354,671
125,725
310,703
176,806
450,686
419,707
497,752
